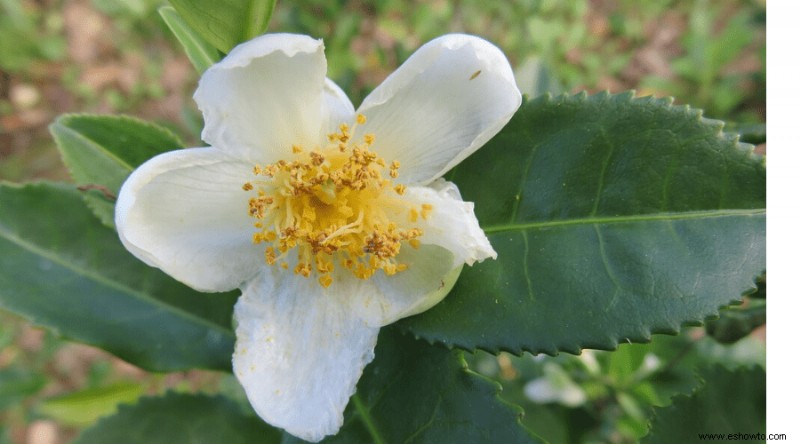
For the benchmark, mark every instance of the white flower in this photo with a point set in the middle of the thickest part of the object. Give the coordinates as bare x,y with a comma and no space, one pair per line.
333,222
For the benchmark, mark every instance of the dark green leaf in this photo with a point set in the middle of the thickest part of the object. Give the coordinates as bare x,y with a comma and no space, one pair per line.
761,284
730,402
62,269
226,23
613,218
201,53
415,392
180,418
101,151
736,323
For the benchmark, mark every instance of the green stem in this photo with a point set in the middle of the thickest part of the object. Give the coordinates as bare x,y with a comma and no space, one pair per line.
367,419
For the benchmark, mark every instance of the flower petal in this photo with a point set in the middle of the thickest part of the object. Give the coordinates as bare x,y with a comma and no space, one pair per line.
300,351
339,109
383,299
447,100
451,223
265,96
185,212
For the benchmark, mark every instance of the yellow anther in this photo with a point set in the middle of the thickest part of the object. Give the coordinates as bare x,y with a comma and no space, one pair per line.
369,139
400,189
296,149
247,186
413,215
361,119
426,210
269,255
393,169
325,280
317,158
303,269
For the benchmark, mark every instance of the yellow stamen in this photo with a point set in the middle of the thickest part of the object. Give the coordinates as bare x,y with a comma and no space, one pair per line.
333,205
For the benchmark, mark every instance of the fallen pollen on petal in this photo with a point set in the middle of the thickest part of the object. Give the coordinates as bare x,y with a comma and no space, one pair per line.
426,210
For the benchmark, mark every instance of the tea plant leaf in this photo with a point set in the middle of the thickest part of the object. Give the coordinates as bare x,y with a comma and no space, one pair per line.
101,151
201,53
226,23
62,269
613,218
83,407
181,418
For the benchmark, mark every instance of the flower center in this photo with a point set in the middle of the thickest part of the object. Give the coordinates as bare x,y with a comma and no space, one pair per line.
333,205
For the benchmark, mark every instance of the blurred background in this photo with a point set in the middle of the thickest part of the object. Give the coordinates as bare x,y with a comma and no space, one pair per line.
116,56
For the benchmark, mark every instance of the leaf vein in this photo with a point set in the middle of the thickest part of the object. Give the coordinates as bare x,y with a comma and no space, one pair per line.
526,268
626,219
366,418
109,283
523,178
603,168
97,146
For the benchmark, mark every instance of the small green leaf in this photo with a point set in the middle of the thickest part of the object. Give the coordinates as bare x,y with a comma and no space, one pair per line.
84,407
180,418
101,151
729,402
62,269
535,78
415,392
736,323
226,23
613,218
201,53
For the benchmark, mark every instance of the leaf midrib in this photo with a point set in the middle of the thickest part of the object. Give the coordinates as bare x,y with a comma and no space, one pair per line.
95,145
607,220
36,250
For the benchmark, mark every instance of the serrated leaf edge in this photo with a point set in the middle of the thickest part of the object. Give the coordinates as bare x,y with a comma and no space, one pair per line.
612,343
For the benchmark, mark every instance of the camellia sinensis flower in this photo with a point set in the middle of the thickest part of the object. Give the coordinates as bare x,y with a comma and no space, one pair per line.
332,221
